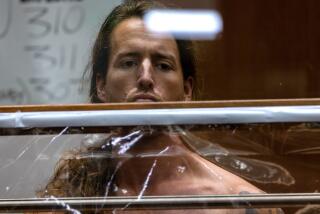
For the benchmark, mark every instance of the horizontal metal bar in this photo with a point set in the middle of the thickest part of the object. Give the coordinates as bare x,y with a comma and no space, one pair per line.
200,116
164,202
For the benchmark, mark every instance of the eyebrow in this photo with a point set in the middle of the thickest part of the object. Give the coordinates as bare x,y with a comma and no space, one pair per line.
165,56
127,54
157,55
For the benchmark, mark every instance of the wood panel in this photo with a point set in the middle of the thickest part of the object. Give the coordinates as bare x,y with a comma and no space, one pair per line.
160,105
269,49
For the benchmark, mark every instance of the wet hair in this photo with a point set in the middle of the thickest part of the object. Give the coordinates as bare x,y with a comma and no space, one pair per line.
98,66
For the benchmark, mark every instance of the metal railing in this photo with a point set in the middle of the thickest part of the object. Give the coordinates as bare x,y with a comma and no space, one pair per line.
225,115
161,202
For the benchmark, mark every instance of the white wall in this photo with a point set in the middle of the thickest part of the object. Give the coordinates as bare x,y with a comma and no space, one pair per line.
44,48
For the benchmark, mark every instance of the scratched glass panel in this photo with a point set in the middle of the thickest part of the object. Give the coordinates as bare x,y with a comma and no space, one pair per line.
160,161
243,50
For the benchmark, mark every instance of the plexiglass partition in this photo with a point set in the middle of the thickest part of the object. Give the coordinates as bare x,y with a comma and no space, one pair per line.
213,157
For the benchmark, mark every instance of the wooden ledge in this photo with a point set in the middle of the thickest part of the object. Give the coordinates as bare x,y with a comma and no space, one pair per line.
161,105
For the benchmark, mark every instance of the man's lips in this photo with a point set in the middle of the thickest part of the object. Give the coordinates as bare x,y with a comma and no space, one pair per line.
144,98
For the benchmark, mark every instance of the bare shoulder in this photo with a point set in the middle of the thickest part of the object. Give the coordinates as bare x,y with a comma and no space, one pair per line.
235,185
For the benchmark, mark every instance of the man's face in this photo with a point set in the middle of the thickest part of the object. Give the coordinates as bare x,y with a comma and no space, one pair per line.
143,67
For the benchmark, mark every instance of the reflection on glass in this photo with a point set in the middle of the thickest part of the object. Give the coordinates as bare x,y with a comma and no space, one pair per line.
75,162
185,24
259,171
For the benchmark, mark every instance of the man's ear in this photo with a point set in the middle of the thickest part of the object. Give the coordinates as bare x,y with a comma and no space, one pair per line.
188,88
101,88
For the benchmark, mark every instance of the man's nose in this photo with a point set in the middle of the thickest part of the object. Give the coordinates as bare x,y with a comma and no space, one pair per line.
145,76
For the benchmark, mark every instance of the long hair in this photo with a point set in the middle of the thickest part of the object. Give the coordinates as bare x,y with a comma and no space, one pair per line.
84,172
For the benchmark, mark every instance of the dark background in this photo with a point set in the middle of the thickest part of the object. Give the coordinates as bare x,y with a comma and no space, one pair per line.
269,49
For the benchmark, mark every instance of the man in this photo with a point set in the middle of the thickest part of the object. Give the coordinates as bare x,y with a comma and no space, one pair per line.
132,64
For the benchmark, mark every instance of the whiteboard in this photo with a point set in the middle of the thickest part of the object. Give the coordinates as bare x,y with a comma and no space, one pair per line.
44,48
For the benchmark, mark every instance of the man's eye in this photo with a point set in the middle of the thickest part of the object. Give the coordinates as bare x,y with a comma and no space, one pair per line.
164,66
127,64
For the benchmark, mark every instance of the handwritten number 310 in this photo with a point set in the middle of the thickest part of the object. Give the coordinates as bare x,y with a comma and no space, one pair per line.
68,21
